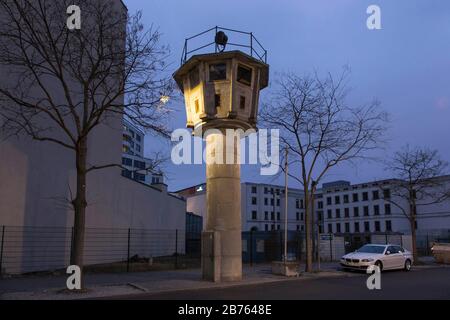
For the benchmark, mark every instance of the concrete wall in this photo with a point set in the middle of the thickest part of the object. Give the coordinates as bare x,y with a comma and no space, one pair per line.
37,179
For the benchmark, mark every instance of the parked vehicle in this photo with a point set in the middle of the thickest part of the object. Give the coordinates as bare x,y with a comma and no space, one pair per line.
385,256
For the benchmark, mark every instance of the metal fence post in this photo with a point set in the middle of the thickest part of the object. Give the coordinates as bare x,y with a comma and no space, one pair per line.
251,248
176,249
281,246
331,248
1,249
128,250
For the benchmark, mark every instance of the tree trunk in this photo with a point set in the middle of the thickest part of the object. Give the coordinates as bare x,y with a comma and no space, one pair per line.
80,204
308,233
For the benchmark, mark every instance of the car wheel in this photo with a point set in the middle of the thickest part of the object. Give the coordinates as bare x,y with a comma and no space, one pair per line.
379,264
407,265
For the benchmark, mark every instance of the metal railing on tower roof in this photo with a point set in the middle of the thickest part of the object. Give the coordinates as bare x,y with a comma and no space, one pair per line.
247,41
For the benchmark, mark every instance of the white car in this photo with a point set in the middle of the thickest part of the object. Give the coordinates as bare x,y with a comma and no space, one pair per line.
385,256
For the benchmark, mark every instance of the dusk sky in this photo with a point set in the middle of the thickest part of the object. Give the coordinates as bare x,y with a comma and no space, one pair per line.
406,65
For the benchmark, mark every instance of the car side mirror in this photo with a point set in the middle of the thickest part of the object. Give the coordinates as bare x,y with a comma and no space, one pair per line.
388,253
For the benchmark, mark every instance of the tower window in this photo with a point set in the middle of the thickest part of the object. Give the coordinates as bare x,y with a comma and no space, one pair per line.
194,77
244,75
197,106
218,71
242,103
217,100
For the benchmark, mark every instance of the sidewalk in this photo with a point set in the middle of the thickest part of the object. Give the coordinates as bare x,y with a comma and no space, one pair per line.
115,284
105,285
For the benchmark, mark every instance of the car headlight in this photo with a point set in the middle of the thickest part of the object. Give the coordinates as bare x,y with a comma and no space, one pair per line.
367,260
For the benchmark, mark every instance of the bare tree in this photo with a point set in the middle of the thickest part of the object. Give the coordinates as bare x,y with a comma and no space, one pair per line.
418,182
64,83
320,130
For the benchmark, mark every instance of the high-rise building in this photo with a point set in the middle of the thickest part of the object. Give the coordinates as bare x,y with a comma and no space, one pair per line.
136,166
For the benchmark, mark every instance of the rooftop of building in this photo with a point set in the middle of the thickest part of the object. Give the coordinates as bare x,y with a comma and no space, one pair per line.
328,187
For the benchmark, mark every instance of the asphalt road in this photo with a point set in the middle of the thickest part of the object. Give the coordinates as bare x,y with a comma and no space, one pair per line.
433,283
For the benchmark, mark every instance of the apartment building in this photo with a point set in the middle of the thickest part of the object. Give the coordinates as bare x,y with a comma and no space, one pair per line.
262,206
136,165
339,207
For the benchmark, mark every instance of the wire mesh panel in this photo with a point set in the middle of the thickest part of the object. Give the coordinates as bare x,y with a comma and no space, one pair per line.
33,249
40,249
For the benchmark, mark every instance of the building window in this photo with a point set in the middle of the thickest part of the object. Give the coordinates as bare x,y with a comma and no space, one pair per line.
266,201
347,212
254,200
266,227
217,100
329,214
297,204
242,103
197,106
347,227
388,225
138,138
297,216
356,226
266,215
356,211
272,227
355,197
254,215
155,180
278,216
298,228
387,193
272,202
387,208
265,190
302,216
330,228
320,205
126,173
244,75
272,216
253,189
367,226
139,177
139,164
194,77
376,210
338,213
127,162
278,227
377,226
278,202
366,211
217,71
329,201
365,196
375,195
337,200
346,198
338,227
302,228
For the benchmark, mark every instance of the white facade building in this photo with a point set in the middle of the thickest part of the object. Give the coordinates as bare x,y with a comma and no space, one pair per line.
133,157
340,207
